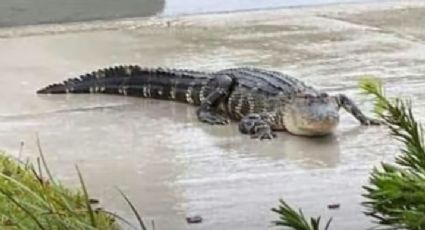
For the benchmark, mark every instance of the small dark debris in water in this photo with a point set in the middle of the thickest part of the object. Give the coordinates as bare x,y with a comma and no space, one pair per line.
333,206
93,201
194,219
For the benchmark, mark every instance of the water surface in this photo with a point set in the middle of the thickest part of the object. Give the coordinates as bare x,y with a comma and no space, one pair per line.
30,12
171,165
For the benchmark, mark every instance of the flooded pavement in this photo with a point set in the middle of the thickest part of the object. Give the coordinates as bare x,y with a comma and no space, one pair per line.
179,7
28,12
172,166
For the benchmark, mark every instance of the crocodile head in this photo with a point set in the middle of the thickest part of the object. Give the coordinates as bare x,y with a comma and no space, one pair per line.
311,114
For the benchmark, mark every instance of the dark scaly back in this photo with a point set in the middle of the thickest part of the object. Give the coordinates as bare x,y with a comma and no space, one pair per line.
266,82
258,90
168,84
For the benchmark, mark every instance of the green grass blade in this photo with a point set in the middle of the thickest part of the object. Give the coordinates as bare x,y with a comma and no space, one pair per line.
43,160
135,212
118,217
28,212
25,188
86,198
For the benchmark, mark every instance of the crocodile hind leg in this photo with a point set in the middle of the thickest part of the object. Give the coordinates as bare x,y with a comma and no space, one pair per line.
220,89
257,126
352,108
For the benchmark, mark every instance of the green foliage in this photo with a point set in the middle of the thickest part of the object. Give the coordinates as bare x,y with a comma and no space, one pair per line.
29,201
292,219
396,192
134,210
395,195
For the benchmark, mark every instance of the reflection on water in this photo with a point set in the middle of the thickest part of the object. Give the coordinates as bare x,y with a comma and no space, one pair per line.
320,152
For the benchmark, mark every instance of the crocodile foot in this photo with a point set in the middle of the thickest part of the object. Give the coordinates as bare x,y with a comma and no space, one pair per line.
256,127
211,118
372,121
263,132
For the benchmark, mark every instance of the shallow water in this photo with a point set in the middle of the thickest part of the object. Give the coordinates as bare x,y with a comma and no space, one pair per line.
172,166
30,12
178,7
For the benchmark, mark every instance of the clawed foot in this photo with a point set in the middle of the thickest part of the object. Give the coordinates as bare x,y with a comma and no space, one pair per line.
212,118
372,121
263,133
256,127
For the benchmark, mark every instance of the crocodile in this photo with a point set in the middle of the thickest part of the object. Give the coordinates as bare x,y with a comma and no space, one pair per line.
263,101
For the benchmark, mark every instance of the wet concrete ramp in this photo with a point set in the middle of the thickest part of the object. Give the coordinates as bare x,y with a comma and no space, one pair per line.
169,164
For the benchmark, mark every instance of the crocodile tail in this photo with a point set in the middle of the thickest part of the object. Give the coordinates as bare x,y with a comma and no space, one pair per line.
132,80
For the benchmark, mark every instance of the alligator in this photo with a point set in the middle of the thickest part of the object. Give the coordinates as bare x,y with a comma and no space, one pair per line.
263,101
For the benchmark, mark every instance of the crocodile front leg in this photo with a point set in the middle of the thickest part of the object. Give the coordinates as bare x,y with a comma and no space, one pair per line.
352,108
207,112
257,126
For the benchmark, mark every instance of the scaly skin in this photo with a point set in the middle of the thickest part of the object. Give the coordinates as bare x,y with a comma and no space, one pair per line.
262,101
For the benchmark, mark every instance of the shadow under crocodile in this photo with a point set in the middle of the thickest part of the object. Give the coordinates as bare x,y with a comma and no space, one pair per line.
307,152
